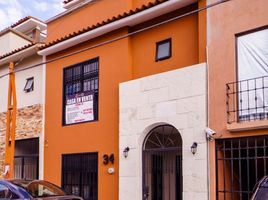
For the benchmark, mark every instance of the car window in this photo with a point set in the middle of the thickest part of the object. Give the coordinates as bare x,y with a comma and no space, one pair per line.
262,194
14,196
44,189
4,192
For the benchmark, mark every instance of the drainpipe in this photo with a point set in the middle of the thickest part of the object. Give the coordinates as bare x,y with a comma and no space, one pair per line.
208,160
42,136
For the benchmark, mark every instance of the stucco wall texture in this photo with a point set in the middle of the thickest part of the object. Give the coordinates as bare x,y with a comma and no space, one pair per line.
124,60
224,22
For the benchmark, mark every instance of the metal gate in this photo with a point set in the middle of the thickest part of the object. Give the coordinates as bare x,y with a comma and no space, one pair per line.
26,167
240,163
162,164
80,175
26,160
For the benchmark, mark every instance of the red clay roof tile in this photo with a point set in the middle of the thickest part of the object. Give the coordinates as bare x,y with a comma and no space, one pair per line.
107,21
13,26
20,22
67,1
17,50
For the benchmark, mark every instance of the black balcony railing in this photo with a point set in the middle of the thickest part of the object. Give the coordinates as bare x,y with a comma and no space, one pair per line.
247,100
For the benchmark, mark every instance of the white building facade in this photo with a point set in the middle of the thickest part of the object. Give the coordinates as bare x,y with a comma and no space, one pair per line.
19,44
161,117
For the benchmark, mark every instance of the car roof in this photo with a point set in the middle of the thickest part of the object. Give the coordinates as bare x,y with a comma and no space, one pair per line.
24,183
17,189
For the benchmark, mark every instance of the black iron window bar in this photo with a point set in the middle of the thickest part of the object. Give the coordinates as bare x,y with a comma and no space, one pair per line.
240,164
247,100
80,175
82,77
162,164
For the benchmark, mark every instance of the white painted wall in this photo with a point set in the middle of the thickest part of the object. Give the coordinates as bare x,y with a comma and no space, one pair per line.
5,43
26,99
23,99
3,88
177,98
10,42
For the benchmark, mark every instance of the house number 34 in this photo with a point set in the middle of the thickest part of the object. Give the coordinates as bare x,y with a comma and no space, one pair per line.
108,159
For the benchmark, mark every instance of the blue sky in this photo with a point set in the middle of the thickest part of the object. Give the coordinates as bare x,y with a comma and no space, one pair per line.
13,10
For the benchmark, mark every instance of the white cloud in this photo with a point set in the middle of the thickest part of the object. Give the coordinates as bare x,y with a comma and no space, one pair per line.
13,10
41,6
58,6
10,12
14,14
52,6
3,2
3,23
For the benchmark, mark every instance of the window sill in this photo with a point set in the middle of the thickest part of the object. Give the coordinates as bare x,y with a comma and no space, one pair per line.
247,126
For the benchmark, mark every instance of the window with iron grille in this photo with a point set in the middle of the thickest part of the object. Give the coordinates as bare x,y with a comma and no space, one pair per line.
26,159
251,87
80,175
240,164
81,89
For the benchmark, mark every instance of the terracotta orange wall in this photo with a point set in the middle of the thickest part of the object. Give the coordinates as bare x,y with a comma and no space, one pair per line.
184,37
224,21
120,61
100,136
86,16
90,15
202,31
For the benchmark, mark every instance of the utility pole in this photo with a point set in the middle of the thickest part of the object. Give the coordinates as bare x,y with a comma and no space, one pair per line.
11,124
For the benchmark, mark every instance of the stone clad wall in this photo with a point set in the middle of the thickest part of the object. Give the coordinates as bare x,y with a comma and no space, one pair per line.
177,98
29,125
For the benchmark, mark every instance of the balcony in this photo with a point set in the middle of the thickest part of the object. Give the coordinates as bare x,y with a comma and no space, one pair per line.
247,101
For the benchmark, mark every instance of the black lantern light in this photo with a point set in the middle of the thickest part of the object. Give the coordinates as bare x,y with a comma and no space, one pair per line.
194,148
125,152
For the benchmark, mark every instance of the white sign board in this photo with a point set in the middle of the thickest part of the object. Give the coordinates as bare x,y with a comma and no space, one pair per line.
79,108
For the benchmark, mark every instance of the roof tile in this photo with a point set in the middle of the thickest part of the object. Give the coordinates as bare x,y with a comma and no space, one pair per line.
17,50
67,1
20,22
99,24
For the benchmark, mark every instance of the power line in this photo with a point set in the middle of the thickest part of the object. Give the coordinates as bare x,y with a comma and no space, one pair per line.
121,37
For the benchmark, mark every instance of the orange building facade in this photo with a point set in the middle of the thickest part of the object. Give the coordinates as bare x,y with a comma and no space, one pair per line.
237,82
119,79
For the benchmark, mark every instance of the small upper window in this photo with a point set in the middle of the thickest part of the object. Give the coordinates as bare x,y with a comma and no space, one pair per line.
29,86
163,50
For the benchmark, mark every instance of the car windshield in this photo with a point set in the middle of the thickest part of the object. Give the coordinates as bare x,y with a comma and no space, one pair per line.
43,189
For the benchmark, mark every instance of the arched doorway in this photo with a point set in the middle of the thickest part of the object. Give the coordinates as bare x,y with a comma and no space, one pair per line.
162,164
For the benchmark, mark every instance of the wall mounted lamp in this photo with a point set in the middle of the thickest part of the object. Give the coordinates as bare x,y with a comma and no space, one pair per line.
194,148
125,152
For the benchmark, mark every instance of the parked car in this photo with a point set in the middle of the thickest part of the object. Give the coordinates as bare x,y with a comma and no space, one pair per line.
36,189
260,191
